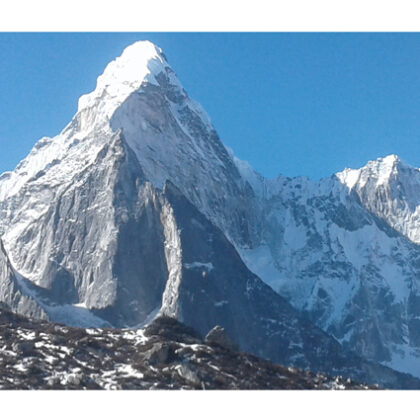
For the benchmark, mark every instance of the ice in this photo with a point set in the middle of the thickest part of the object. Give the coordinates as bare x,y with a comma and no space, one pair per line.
20,367
50,359
128,371
199,265
149,318
405,359
74,315
221,303
27,335
261,262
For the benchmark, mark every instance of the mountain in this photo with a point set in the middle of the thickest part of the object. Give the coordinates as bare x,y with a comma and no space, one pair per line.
390,189
137,210
343,251
84,220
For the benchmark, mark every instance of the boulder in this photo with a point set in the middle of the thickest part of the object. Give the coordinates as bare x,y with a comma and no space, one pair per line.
23,347
218,336
159,353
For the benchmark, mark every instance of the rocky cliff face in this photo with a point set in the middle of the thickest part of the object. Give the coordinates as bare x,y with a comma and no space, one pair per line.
13,293
137,209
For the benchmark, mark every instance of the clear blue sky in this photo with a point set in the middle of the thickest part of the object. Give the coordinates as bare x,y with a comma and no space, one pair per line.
295,104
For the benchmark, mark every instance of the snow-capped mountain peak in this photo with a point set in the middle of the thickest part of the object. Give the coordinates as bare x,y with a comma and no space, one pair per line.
389,188
378,171
138,63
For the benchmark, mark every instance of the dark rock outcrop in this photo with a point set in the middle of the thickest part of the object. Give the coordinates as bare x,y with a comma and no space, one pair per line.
218,336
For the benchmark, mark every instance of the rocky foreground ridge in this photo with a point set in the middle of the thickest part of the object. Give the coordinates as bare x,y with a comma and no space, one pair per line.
164,355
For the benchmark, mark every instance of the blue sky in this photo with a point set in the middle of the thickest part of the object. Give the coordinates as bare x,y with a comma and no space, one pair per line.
295,104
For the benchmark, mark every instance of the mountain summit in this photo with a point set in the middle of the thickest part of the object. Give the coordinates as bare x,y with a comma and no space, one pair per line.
139,63
389,188
137,209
